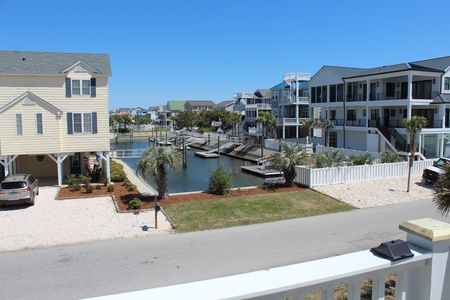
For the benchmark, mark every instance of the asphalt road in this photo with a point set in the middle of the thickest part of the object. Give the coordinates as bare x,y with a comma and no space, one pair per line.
103,268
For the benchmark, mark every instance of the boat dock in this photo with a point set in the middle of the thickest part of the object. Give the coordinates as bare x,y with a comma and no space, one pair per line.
206,154
261,171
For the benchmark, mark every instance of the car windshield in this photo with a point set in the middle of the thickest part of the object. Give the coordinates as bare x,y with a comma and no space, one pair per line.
440,163
13,185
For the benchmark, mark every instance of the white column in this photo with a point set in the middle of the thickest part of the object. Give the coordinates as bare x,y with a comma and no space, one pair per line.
410,78
432,281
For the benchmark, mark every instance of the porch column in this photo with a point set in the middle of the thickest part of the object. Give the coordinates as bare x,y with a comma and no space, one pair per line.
433,280
7,163
106,157
410,79
59,161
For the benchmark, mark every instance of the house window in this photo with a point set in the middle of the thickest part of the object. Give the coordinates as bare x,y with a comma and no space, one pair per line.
447,83
390,89
39,125
81,123
351,115
333,114
80,87
19,128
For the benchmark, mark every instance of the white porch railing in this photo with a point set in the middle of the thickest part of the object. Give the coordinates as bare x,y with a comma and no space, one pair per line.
422,276
325,176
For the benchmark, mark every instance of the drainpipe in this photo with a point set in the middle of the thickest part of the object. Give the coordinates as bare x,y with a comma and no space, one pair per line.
345,89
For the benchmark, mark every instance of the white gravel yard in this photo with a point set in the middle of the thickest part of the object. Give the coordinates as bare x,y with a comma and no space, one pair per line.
53,222
379,192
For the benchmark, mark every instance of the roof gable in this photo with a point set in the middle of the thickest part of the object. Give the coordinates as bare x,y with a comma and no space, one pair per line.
30,99
51,63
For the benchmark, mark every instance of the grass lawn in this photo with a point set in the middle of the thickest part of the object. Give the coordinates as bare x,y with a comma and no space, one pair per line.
244,210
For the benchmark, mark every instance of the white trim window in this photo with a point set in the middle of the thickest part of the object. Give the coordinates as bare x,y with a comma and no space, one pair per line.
81,87
447,83
82,123
39,124
19,126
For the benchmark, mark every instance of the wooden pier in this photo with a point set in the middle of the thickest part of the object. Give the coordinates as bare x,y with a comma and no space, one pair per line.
263,172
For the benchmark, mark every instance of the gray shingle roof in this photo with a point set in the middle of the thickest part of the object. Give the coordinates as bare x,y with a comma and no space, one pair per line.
440,64
344,71
50,63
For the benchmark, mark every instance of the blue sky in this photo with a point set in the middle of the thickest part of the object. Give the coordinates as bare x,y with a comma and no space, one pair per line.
209,49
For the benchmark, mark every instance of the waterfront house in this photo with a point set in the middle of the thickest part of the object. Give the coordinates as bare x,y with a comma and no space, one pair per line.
367,106
53,112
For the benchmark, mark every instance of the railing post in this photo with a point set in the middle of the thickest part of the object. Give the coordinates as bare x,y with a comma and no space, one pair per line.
433,281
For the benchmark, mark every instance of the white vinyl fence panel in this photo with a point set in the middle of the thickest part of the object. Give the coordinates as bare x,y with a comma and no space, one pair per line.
325,176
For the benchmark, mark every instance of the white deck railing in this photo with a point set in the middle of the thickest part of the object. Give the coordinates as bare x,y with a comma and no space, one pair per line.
325,176
422,276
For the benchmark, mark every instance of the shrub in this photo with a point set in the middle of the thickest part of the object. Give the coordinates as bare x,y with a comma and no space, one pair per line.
220,182
134,203
117,173
362,159
105,181
131,188
86,179
71,180
76,187
88,187
110,188
391,157
98,187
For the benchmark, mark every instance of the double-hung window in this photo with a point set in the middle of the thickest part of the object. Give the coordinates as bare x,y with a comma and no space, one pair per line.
39,124
447,83
81,123
19,128
80,87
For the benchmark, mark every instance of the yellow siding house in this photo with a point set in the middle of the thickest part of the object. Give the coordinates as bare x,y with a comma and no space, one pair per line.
53,112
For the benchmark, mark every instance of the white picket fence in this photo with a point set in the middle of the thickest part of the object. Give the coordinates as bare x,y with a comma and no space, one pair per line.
326,176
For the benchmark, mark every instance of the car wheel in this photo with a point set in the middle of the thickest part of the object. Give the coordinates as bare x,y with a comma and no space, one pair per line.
32,200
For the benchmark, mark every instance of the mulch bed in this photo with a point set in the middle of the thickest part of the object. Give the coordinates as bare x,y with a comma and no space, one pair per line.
123,196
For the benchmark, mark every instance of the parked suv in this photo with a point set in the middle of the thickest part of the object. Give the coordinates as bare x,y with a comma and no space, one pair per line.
431,173
18,189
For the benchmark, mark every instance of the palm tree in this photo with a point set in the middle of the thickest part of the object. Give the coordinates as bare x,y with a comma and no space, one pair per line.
327,125
286,161
330,159
309,123
413,126
155,160
267,119
390,157
441,197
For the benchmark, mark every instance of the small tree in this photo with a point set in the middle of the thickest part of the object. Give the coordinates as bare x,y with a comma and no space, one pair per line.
286,161
362,159
413,126
327,125
390,157
220,182
330,159
309,124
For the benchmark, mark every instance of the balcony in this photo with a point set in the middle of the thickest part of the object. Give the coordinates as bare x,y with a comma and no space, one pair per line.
291,121
287,100
387,97
259,106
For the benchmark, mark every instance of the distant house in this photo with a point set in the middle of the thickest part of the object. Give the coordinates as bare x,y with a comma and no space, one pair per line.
53,111
199,105
225,105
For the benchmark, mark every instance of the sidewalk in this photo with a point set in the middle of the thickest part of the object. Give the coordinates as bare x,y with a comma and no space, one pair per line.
143,187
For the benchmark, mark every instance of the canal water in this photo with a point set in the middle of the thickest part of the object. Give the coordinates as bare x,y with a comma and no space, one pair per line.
196,176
